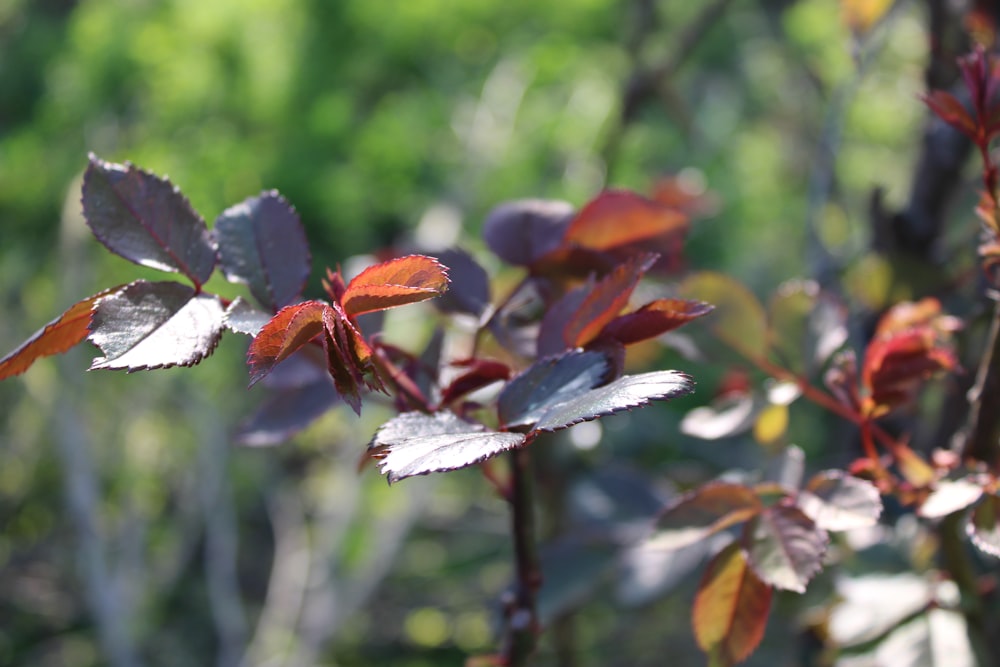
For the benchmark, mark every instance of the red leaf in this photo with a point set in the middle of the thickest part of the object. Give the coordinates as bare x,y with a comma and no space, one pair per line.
286,332
731,608
349,358
481,373
394,283
618,217
653,319
609,296
951,111
56,337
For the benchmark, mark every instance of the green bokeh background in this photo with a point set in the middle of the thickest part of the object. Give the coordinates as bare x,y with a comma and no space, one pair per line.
375,119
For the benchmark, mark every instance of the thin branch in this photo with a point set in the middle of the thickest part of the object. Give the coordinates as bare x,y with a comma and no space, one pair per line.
521,633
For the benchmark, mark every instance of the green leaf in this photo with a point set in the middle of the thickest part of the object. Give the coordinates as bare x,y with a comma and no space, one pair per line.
738,319
155,325
262,244
837,501
704,511
415,443
548,382
146,220
731,608
785,547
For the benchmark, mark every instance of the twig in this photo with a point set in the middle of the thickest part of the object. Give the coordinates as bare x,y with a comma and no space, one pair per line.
521,615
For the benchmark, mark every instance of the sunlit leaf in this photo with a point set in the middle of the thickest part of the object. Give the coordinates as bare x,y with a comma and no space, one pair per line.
415,443
605,301
146,220
625,393
871,605
468,284
729,415
242,318
618,217
950,496
785,547
861,15
150,325
912,467
521,232
394,283
286,332
547,382
653,319
837,501
478,374
738,319
731,608
984,526
704,511
262,244
56,337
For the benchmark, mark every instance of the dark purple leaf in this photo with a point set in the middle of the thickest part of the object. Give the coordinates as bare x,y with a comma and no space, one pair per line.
550,334
146,220
785,547
520,232
469,287
704,511
479,373
548,382
837,501
984,526
242,318
262,244
625,393
415,443
286,412
155,325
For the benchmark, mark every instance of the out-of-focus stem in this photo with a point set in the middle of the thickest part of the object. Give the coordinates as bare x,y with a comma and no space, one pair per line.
521,615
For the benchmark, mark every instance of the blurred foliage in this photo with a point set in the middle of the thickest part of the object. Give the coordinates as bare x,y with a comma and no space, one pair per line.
381,122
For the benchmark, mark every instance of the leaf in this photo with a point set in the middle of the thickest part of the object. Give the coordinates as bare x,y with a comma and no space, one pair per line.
950,496
521,232
56,337
785,547
739,318
653,319
549,380
728,415
731,608
983,526
150,325
605,301
146,220
286,332
805,325
861,15
242,318
468,286
707,510
394,283
625,393
286,412
415,443
262,244
950,110
771,424
618,217
481,373
551,339
349,358
838,501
